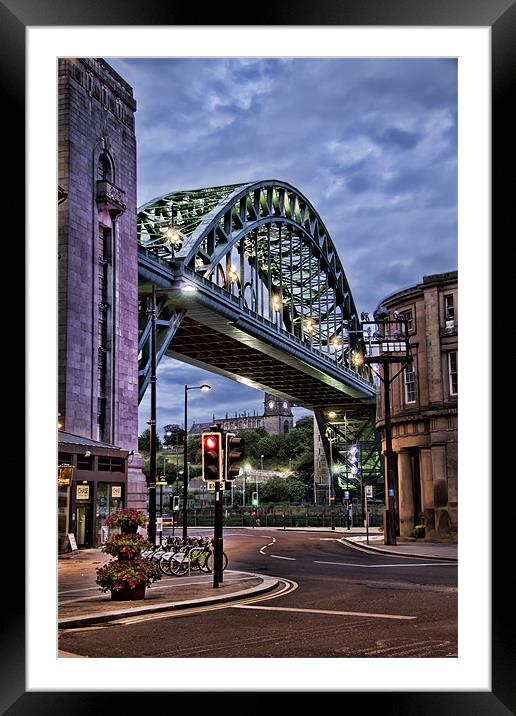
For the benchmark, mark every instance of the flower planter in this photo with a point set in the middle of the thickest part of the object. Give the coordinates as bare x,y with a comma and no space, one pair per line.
129,593
128,529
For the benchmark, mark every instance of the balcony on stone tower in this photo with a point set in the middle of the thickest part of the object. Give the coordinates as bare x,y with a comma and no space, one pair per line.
110,197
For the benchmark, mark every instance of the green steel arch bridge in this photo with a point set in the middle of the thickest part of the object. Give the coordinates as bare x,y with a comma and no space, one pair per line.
249,285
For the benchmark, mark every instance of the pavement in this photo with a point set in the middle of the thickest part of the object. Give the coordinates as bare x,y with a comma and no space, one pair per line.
80,602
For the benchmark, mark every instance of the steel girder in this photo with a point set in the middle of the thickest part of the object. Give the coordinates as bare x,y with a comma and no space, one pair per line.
260,256
264,244
341,431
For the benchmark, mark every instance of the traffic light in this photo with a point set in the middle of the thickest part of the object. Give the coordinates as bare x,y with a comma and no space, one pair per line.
212,467
175,503
254,499
232,456
253,514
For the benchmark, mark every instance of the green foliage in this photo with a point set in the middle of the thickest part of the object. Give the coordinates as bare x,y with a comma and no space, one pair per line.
278,450
304,468
127,546
118,574
419,531
144,441
177,436
279,489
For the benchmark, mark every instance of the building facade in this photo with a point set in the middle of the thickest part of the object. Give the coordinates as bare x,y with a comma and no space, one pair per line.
424,400
277,418
97,263
98,487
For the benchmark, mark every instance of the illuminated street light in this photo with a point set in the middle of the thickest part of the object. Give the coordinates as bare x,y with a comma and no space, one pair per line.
233,274
277,303
332,414
357,358
188,288
173,235
309,325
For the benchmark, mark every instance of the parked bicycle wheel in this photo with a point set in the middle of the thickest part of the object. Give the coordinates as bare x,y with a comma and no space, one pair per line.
179,564
209,562
203,560
165,563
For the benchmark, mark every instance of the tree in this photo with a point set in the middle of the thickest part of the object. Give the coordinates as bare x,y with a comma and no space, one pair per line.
144,441
304,468
176,437
306,424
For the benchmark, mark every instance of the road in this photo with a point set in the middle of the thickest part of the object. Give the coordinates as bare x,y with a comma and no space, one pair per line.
334,601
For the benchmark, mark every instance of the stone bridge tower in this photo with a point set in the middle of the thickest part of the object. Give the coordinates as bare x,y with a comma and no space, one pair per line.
97,259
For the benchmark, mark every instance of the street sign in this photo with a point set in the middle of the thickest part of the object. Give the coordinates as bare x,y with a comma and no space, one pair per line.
159,524
346,494
369,491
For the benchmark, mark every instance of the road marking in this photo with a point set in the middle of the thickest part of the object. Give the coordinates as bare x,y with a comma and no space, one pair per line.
267,545
288,586
377,566
324,611
277,556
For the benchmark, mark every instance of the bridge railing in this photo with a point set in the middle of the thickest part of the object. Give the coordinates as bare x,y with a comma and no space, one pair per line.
196,278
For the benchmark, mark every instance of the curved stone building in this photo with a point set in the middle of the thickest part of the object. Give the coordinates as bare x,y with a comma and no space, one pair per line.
424,408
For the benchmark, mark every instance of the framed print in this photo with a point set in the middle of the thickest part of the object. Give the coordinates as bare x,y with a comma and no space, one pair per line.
34,37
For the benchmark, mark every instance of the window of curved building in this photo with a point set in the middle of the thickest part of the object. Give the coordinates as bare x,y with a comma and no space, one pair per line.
410,384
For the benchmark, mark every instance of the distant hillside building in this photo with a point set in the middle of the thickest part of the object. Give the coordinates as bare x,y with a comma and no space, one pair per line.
424,408
277,418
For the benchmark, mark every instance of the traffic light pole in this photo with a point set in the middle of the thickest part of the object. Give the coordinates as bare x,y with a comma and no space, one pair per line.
218,540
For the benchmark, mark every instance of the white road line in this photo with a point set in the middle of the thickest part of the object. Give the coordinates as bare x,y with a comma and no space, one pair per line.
289,586
377,566
324,611
267,545
277,556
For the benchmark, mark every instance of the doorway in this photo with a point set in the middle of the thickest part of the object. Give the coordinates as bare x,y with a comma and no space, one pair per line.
83,525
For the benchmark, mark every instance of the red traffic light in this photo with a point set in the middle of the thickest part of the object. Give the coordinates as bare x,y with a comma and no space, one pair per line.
212,466
211,442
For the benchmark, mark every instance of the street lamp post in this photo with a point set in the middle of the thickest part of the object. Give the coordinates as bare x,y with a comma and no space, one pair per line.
203,387
389,344
152,423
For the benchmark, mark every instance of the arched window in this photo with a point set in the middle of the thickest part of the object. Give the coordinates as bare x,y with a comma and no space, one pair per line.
104,168
286,426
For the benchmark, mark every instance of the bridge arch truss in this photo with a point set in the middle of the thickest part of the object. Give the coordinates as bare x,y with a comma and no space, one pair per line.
264,244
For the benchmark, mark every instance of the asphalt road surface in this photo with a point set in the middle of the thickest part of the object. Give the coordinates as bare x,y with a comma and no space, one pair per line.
333,601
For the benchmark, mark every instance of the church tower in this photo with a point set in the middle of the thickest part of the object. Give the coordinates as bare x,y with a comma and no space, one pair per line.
277,415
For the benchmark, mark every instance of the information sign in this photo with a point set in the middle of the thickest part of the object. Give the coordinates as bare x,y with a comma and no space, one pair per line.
116,491
83,492
73,543
369,491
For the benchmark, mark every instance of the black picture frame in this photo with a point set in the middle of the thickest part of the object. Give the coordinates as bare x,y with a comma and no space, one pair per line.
500,16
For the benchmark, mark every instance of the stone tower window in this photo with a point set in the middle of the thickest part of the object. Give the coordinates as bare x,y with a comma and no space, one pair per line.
104,168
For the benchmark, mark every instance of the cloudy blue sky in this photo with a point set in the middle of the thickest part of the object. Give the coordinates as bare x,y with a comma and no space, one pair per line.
372,143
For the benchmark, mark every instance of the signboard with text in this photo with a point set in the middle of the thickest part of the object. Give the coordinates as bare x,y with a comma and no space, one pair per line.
83,492
116,491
